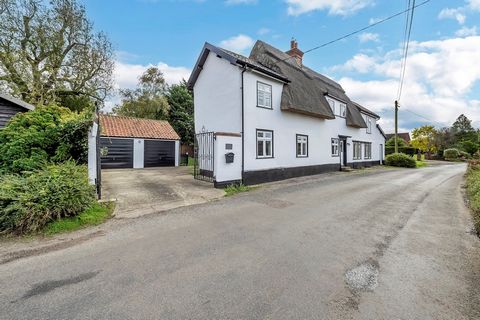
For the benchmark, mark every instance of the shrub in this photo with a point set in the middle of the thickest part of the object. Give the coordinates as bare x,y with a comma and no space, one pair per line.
31,200
47,134
464,155
451,153
473,191
407,150
400,160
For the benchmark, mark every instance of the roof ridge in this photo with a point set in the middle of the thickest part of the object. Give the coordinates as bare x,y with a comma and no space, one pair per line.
132,118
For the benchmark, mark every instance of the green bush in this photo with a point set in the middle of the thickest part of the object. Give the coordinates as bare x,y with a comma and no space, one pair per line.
31,200
464,155
400,160
47,134
473,191
405,149
451,153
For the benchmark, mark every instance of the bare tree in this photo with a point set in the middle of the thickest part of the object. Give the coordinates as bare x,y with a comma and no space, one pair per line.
50,51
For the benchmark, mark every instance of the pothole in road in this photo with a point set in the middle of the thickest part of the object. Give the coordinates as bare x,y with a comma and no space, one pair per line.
363,277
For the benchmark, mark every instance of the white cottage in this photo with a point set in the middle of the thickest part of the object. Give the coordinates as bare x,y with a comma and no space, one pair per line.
268,117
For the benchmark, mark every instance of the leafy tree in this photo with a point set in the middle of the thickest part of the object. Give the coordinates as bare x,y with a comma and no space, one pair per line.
391,142
181,111
47,134
469,146
148,99
463,130
424,138
49,53
444,139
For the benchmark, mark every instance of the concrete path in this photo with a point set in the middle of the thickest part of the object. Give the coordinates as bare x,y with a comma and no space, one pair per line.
392,244
144,191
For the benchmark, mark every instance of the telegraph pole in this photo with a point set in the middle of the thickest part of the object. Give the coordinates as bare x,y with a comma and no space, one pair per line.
396,125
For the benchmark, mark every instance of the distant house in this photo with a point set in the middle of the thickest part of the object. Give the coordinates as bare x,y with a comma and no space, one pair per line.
268,117
404,135
137,143
10,106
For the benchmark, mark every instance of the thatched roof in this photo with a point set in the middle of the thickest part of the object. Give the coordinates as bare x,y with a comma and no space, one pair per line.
307,89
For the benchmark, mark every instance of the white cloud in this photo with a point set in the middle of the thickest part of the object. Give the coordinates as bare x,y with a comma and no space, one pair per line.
453,13
474,4
235,2
374,20
263,31
126,77
466,32
439,77
334,7
367,36
238,43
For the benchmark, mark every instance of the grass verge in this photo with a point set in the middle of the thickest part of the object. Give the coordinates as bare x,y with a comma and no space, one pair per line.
236,188
95,215
473,192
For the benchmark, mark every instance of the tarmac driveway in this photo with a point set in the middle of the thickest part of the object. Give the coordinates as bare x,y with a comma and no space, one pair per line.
144,191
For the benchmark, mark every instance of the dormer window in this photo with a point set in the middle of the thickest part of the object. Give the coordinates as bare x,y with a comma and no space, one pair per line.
338,108
369,125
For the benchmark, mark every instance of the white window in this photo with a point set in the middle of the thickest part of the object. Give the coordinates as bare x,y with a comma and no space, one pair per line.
367,150
369,125
357,150
335,147
264,144
331,102
302,146
343,110
264,95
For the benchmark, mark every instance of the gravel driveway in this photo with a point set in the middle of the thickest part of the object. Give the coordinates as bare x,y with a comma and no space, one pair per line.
391,244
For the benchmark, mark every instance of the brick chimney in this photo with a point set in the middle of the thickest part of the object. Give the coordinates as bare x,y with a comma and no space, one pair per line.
295,52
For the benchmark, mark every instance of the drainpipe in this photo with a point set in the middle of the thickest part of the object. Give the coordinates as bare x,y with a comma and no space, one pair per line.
243,123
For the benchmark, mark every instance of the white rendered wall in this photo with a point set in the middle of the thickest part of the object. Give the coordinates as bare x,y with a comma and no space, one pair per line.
228,171
92,153
138,153
177,153
286,125
217,97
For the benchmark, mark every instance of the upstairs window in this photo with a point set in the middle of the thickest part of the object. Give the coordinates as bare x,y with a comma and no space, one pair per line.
357,150
343,110
264,95
335,151
264,144
302,146
369,125
331,102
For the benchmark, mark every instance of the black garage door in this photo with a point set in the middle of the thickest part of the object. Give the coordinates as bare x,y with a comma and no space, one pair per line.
119,155
159,153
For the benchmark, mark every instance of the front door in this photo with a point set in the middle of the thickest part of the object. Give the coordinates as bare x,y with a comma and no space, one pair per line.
343,152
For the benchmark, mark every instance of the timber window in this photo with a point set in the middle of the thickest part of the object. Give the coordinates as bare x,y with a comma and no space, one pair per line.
264,144
302,146
367,150
335,151
264,95
357,150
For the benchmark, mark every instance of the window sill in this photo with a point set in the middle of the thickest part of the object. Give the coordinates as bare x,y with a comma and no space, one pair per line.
260,158
302,156
262,107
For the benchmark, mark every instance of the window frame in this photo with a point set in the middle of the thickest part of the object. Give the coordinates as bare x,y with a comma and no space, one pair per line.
258,96
359,155
331,106
344,113
369,156
337,145
296,145
369,125
264,148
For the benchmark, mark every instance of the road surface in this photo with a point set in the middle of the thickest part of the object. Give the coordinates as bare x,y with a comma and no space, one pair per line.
390,244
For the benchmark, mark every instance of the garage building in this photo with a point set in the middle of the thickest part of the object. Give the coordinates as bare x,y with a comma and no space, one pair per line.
127,142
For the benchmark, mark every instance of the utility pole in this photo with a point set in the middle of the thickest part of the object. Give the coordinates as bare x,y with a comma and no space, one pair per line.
396,126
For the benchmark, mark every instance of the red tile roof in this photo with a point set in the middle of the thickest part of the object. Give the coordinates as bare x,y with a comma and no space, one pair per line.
127,127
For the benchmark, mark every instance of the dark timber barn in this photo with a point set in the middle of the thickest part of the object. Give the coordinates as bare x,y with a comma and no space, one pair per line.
10,106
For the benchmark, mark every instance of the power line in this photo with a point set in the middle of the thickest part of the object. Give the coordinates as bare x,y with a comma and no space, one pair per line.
409,23
362,29
405,33
425,118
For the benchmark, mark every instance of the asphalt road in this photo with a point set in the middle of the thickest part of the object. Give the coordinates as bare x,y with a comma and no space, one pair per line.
394,244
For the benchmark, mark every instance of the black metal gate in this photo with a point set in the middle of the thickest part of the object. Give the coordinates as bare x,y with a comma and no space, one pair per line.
203,165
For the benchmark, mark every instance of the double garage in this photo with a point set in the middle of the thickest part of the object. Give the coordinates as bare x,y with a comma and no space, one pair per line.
137,143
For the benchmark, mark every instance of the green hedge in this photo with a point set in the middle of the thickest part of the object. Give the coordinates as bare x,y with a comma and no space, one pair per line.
31,200
407,150
400,160
473,191
451,153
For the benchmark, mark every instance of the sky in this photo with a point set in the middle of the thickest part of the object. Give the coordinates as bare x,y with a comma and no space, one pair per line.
442,77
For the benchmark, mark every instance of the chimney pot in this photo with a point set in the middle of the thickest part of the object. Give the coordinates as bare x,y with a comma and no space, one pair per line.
295,52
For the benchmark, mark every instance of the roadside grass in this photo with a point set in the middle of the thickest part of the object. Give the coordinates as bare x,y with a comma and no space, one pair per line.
420,163
95,215
236,188
473,192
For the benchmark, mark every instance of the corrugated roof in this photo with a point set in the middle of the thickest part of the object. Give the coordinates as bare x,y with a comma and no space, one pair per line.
128,127
17,101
